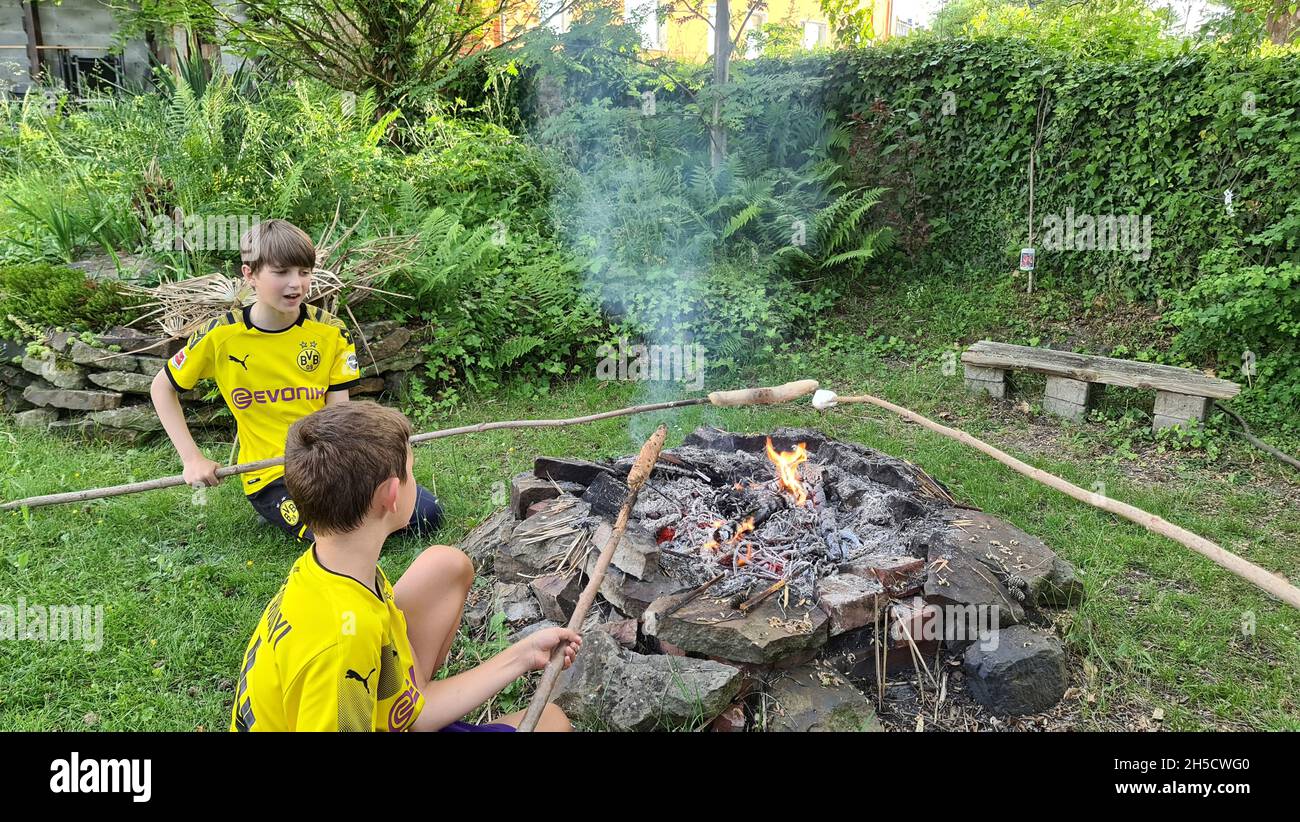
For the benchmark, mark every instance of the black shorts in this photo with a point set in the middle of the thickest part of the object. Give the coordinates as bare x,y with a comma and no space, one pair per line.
277,507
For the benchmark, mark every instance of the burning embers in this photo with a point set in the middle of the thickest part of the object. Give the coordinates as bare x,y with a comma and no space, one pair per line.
762,524
787,470
728,541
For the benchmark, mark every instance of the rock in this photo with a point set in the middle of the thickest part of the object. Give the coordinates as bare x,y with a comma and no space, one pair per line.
140,418
16,377
901,576
535,508
149,365
851,601
481,544
368,386
1023,674
609,687
387,346
59,340
378,328
624,631
12,399
817,698
11,350
637,553
73,400
714,439
783,439
539,542
55,371
529,630
560,469
1049,580
557,596
711,627
527,489
669,648
853,654
37,418
1062,587
958,576
631,596
516,601
605,495
478,609
405,361
129,339
122,381
102,266
102,359
903,508
730,721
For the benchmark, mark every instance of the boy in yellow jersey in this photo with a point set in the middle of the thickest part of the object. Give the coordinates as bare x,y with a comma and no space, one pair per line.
275,361
338,648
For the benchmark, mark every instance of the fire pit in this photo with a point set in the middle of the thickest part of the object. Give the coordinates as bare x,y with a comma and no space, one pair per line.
773,552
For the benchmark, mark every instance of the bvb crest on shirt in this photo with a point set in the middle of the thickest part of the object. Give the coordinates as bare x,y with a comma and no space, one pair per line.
308,357
289,511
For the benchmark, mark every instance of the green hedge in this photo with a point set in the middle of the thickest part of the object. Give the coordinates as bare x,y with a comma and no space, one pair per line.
1157,138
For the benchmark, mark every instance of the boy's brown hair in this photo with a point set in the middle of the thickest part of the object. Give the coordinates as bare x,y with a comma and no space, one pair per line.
335,458
278,243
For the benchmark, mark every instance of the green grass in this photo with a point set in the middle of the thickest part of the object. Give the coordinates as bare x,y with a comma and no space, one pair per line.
183,584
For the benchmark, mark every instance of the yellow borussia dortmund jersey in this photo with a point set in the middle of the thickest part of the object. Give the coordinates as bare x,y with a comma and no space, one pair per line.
329,654
269,379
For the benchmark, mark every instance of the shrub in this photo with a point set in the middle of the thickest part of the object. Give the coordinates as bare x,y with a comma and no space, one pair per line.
57,296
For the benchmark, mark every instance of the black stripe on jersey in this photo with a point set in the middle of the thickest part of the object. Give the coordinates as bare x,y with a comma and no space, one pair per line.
171,379
248,320
344,386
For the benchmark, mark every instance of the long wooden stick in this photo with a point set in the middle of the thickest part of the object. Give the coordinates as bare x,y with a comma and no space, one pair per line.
1267,581
641,469
742,396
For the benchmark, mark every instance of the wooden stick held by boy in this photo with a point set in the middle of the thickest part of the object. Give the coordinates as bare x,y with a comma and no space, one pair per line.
636,478
763,395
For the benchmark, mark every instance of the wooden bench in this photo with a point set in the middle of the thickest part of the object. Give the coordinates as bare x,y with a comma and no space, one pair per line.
1181,393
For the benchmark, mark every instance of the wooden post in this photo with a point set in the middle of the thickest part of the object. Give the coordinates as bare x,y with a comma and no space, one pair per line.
32,25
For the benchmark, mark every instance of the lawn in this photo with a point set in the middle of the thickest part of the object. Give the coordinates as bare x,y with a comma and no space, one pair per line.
183,583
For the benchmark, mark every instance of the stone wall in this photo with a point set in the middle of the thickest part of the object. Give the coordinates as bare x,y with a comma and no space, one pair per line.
97,385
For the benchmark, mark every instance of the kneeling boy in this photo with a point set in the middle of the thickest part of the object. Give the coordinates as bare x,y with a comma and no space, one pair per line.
275,361
338,648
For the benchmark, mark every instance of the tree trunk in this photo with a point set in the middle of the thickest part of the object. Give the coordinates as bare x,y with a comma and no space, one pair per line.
1282,24
721,61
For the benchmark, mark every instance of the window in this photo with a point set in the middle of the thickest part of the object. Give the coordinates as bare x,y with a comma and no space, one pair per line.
713,24
814,34
546,13
753,40
646,13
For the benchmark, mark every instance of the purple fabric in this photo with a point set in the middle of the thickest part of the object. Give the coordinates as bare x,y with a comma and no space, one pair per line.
470,728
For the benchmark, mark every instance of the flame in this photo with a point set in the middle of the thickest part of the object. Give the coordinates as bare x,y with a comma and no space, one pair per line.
745,528
742,529
787,470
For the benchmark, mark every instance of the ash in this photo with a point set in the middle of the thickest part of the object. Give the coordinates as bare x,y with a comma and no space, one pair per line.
697,509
